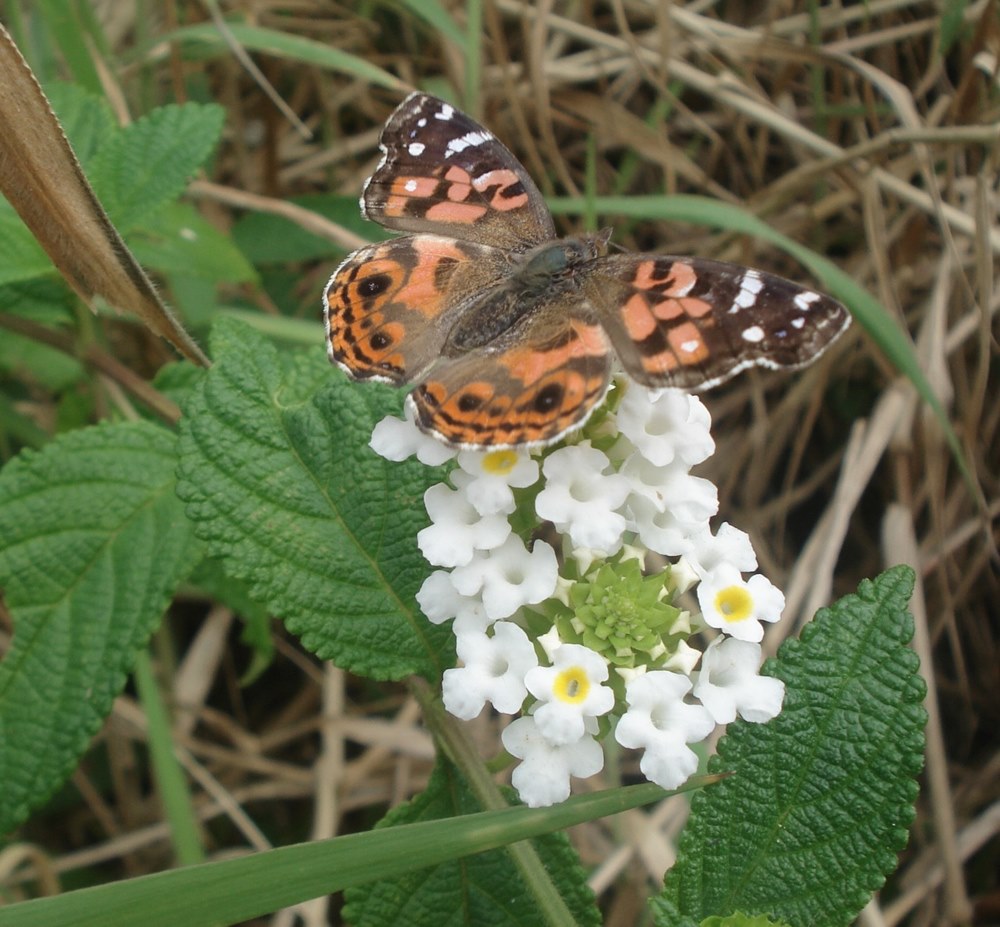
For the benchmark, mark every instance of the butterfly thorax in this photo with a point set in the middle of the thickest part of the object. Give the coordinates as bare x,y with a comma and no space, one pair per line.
537,276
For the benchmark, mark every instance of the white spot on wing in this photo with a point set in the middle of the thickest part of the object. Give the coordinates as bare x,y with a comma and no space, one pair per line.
753,334
422,121
751,284
416,149
805,299
445,113
798,322
410,186
689,347
469,140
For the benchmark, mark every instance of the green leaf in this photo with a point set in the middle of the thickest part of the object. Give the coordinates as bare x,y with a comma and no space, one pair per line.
85,117
21,256
821,798
952,26
266,238
279,478
438,18
177,240
94,541
144,166
480,890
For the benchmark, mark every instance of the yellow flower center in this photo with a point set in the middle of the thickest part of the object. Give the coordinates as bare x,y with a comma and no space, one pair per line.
734,603
500,463
572,685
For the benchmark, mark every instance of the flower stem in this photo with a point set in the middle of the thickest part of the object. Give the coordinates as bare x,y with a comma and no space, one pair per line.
457,747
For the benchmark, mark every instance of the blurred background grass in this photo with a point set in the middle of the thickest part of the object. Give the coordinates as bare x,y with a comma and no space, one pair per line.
866,133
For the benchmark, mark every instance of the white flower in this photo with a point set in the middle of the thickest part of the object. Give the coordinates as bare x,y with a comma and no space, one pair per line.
396,439
509,576
440,601
659,722
486,478
581,500
569,691
728,545
736,606
729,683
494,671
458,529
668,526
668,487
543,778
666,425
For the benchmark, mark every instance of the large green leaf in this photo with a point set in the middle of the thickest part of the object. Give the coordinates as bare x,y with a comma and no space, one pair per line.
820,799
279,478
93,542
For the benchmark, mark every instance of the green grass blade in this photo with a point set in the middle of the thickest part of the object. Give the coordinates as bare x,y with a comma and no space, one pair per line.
437,17
234,890
292,47
170,781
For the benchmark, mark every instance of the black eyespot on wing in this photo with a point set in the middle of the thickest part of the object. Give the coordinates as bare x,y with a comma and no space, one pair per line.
380,340
469,402
548,398
374,285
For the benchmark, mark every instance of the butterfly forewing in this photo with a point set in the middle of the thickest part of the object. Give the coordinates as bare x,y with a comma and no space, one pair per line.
694,323
445,174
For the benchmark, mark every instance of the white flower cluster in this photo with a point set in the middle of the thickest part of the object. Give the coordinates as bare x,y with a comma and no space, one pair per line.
602,646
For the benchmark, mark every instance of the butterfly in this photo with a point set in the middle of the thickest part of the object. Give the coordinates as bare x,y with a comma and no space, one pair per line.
511,333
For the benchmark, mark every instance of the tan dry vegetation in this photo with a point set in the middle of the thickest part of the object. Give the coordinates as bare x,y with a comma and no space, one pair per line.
843,127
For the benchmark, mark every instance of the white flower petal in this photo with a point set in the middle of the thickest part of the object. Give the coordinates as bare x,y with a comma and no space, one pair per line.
440,601
666,425
581,499
487,478
397,439
494,671
569,692
661,723
509,576
542,778
457,529
728,545
737,607
729,683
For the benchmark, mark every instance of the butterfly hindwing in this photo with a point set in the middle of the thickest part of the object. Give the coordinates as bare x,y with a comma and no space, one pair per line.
531,386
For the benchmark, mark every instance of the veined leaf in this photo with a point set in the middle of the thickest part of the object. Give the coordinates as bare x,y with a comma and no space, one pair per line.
93,542
820,799
144,166
279,478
